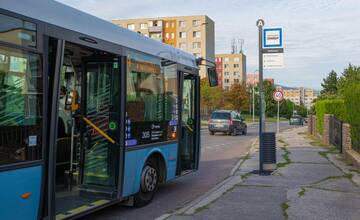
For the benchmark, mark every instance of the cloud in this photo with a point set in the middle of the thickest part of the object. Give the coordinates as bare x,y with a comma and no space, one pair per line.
319,35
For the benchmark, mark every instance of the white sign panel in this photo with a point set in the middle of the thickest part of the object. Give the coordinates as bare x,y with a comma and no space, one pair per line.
272,38
273,61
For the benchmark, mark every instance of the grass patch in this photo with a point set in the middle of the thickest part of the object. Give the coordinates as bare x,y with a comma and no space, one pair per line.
285,206
346,175
302,133
355,171
302,192
204,123
245,176
202,208
317,143
286,158
283,142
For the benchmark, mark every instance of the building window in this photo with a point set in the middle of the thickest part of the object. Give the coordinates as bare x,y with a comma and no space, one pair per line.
172,35
131,27
143,26
156,36
182,34
146,35
236,65
226,59
172,24
196,45
226,73
236,80
236,59
166,24
167,35
227,80
182,24
196,23
196,34
226,66
182,46
236,73
197,55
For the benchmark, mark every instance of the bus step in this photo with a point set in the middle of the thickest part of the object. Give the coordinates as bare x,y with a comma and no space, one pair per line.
97,191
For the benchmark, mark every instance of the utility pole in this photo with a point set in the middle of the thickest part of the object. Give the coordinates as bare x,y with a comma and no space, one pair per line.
260,23
253,102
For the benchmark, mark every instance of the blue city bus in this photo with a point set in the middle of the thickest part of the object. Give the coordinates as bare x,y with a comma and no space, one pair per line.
91,114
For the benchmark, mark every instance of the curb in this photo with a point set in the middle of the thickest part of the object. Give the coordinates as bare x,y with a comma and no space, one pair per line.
241,160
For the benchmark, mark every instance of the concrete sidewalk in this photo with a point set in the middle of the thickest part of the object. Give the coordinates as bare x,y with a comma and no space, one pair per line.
311,182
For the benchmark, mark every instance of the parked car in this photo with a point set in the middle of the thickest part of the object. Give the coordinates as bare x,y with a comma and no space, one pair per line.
228,122
296,120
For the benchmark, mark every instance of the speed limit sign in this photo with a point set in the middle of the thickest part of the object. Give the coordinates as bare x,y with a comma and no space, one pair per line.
278,95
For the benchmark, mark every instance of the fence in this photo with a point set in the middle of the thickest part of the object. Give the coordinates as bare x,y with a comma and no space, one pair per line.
335,132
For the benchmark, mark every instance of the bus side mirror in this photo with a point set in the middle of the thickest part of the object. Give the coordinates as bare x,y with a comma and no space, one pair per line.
212,76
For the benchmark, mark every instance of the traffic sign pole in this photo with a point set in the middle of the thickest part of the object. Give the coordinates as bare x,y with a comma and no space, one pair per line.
278,95
260,23
278,118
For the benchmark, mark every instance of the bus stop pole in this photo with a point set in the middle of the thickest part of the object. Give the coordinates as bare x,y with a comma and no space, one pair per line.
260,24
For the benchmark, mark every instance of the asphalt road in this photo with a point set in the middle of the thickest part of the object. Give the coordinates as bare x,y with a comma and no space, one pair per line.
219,155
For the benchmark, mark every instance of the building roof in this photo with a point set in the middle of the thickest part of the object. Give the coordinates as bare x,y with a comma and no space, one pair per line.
60,15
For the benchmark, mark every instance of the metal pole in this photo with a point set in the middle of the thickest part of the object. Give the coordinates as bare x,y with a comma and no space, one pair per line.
278,118
253,103
260,24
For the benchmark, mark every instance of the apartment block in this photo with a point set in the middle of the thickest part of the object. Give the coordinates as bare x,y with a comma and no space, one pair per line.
193,34
301,96
231,69
252,79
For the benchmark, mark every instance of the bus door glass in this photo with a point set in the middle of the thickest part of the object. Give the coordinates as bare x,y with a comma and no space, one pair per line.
88,130
188,148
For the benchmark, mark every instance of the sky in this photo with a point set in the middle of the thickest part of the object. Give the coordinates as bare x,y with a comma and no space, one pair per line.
318,35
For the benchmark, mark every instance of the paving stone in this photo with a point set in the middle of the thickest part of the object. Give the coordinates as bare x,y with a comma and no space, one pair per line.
329,205
306,155
245,202
341,184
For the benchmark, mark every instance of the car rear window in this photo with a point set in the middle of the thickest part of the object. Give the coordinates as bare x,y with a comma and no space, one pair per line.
220,115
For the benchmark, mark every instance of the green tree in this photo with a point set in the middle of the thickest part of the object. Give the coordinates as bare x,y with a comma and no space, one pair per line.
351,75
330,84
210,97
286,108
238,97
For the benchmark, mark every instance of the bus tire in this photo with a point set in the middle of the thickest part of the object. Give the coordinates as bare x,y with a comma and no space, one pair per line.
149,182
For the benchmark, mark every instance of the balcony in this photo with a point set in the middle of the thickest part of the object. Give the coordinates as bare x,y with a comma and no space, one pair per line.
155,29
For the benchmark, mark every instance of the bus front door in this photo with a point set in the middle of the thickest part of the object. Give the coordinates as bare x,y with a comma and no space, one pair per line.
88,131
189,141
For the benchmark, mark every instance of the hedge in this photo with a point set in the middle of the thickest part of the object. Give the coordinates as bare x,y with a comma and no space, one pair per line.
329,106
352,104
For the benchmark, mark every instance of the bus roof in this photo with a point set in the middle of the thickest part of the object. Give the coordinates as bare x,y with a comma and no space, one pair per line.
60,15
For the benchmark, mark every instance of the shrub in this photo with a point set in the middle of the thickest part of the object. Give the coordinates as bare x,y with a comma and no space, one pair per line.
329,106
352,104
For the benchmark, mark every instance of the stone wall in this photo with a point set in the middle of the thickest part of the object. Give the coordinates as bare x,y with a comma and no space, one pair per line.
326,131
312,125
350,154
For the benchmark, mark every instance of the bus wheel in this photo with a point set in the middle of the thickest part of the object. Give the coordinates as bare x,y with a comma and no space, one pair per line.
149,183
